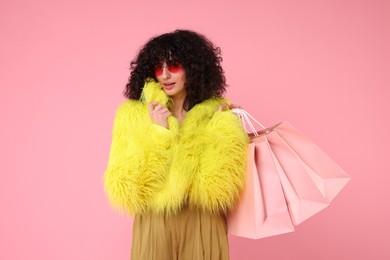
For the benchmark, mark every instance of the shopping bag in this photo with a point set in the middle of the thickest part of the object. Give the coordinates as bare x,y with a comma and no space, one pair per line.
309,178
262,210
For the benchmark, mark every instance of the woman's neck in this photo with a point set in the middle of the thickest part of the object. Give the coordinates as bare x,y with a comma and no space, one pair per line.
178,108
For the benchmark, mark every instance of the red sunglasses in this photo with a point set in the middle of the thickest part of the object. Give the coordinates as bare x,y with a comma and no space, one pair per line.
172,68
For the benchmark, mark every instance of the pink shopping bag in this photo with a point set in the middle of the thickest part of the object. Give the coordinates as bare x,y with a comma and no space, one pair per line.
309,178
262,210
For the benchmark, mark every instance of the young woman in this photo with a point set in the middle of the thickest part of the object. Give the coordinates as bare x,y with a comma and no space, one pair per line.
178,154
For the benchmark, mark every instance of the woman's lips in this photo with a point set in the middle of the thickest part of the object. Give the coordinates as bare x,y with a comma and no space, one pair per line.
169,86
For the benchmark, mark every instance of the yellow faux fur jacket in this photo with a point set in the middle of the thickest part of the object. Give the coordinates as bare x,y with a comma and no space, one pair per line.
200,163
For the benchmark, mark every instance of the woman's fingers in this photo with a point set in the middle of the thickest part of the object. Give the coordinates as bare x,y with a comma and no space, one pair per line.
159,108
166,113
162,111
151,106
225,106
231,106
155,106
222,107
159,114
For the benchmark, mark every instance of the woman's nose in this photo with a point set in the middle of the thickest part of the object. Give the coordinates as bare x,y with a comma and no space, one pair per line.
166,74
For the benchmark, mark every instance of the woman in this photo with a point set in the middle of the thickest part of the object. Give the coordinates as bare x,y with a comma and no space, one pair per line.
177,159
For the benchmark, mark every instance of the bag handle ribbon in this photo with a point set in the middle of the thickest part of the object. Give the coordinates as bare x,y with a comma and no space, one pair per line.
245,119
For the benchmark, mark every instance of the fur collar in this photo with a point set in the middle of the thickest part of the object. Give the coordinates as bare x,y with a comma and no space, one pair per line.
153,91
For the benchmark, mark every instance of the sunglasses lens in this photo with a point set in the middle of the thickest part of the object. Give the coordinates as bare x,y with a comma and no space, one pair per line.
158,70
172,68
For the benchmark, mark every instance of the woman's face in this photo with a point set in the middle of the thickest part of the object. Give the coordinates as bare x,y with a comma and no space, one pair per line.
172,78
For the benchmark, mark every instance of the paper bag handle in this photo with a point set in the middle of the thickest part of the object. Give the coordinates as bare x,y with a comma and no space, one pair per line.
245,119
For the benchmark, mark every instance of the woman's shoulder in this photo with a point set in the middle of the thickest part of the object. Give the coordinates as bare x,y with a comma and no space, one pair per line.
130,106
212,104
206,111
131,110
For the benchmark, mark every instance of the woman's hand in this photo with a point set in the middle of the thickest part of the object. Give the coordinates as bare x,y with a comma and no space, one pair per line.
159,114
225,106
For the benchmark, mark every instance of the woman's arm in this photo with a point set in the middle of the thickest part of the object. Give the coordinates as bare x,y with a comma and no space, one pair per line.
138,160
222,163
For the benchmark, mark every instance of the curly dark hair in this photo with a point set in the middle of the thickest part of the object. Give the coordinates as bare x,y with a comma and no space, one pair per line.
199,57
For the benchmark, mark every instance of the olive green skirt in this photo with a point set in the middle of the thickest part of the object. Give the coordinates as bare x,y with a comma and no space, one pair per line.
189,235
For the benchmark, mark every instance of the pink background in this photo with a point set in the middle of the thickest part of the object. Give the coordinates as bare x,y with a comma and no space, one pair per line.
322,65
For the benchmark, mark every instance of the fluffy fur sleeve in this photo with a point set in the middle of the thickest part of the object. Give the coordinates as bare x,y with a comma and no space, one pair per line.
221,175
139,157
